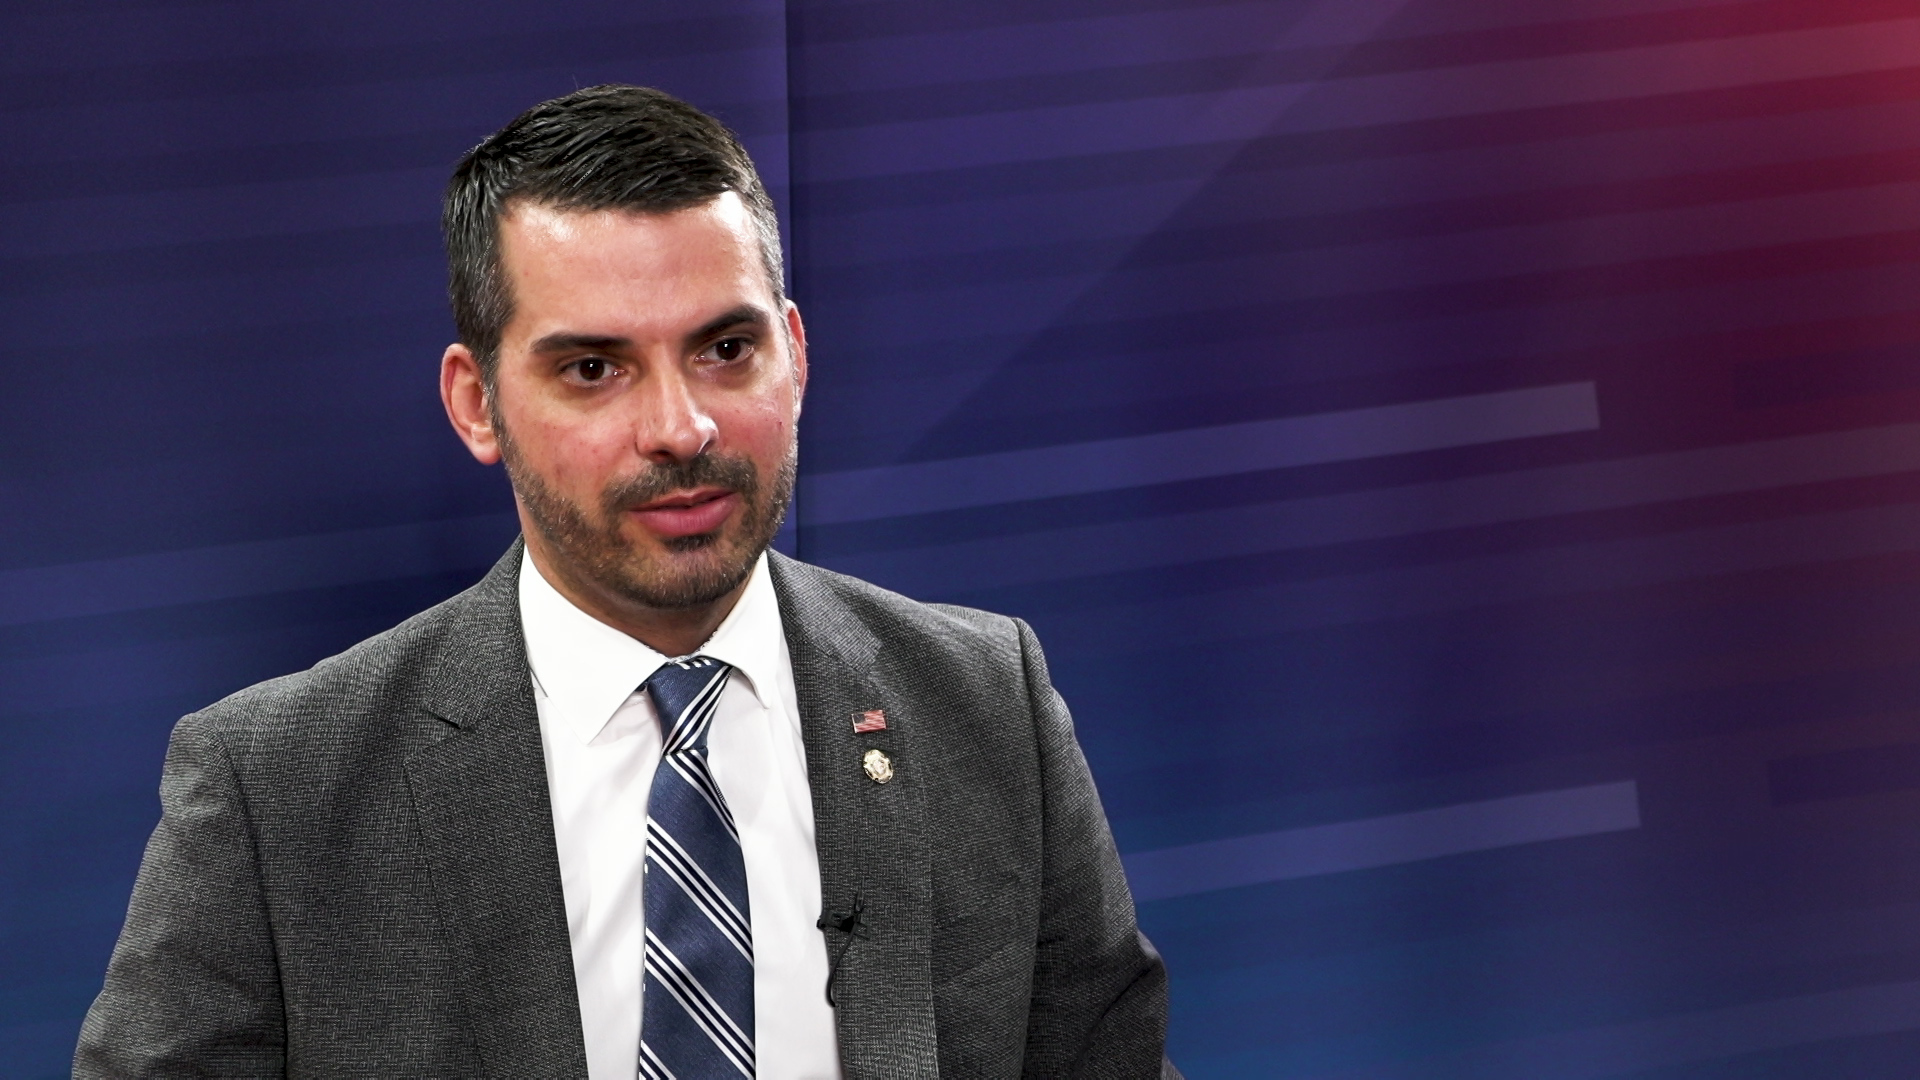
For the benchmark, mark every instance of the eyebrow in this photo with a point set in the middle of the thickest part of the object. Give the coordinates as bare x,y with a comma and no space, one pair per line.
565,342
744,315
562,341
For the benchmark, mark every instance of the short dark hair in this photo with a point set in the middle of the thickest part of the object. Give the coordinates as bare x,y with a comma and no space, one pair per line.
610,147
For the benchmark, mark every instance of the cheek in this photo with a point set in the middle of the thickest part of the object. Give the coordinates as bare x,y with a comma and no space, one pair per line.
762,431
580,457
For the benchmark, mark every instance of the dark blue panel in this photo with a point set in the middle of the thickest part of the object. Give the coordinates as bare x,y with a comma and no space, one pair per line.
1057,259
221,445
1165,318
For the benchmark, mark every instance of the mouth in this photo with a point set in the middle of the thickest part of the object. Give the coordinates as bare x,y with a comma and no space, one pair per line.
687,513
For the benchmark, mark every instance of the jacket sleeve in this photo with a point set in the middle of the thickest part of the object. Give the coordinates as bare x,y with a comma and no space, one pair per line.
1099,1005
193,988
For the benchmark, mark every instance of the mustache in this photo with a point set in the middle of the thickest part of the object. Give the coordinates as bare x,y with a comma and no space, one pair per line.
704,470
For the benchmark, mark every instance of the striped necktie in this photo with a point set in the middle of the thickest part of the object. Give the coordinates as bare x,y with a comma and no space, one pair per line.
697,1018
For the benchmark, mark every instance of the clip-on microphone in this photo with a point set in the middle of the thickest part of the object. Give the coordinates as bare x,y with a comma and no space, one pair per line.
849,924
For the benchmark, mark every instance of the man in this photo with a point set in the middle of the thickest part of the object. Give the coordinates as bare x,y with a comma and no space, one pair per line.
868,842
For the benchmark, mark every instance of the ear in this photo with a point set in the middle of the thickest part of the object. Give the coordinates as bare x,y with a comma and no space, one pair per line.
465,395
797,344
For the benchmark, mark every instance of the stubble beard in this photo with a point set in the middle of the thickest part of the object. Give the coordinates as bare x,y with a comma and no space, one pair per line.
695,570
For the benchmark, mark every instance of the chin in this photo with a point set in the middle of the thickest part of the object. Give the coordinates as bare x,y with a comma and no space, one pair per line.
697,542
690,572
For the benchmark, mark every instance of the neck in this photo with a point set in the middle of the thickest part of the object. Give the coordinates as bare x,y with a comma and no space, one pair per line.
669,631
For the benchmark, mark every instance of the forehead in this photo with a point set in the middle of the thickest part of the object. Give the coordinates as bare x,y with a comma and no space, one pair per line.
618,264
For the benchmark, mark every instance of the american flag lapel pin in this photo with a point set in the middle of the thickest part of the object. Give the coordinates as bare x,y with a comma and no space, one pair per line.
870,720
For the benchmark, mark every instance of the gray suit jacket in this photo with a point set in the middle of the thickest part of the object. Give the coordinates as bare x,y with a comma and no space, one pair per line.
355,872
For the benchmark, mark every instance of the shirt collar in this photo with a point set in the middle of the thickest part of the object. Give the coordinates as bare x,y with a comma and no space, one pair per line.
586,669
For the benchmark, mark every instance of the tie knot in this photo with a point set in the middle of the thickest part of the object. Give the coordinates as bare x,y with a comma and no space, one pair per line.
685,693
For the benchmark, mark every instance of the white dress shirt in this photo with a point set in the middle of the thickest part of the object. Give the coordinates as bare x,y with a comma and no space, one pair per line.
602,742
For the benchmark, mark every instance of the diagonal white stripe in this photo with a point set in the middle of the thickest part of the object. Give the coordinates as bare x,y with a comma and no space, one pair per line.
674,725
703,1010
702,775
699,1004
693,996
673,973
687,1001
651,1067
697,771
701,719
686,727
692,877
667,854
693,769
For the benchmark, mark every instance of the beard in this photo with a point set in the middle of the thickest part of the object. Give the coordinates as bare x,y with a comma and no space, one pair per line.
693,570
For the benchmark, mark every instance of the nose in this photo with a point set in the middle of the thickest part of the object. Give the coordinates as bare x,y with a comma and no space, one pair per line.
672,425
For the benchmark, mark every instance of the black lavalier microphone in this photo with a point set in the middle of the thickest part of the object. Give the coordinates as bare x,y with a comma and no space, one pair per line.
852,926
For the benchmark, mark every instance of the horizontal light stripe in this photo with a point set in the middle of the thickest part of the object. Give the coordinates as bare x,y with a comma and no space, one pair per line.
1675,314
219,32
1382,513
1167,457
352,111
1405,264
1592,1053
263,567
1112,213
1532,267
278,298
1383,841
1411,591
229,212
347,558
1224,33
896,148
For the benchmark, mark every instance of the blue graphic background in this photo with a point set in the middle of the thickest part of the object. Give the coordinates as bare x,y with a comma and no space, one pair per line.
1511,408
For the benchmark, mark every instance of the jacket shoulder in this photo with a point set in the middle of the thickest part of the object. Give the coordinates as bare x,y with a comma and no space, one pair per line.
901,620
372,676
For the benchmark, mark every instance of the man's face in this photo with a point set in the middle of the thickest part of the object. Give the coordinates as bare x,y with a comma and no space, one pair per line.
645,400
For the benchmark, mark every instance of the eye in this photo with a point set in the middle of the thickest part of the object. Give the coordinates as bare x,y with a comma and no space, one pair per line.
728,350
592,369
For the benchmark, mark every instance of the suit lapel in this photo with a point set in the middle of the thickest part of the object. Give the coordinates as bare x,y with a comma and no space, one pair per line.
871,836
486,830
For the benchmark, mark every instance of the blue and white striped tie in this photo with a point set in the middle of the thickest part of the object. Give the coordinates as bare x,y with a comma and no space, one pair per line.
697,1020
